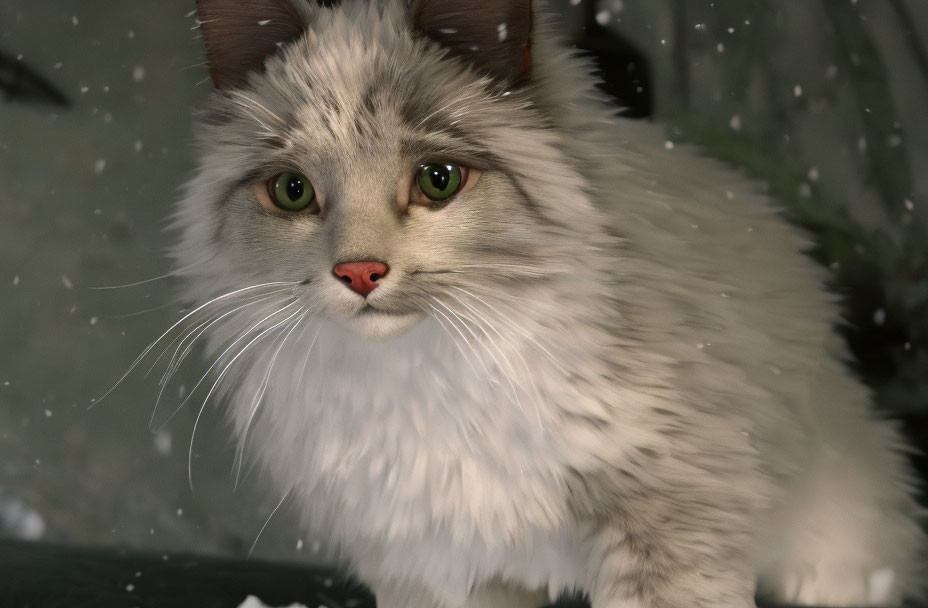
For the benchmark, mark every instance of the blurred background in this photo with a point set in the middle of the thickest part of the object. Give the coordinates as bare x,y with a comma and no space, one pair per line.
823,102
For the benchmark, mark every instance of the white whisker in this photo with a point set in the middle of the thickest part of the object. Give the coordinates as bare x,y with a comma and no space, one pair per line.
186,334
259,396
199,331
270,517
178,323
535,394
460,333
241,337
309,351
212,389
516,327
167,275
462,318
145,311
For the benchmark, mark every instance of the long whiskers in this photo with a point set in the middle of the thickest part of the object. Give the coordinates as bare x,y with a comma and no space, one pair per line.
179,323
249,301
222,374
269,518
259,396
534,394
174,273
244,335
454,340
463,319
515,326
309,351
193,335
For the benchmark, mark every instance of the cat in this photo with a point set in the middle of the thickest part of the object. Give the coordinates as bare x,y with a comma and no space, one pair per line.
495,342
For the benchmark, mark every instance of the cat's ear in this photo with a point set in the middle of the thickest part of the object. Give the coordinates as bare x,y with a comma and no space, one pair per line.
241,34
495,35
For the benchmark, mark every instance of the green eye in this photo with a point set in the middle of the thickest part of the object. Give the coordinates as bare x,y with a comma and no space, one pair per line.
439,182
291,191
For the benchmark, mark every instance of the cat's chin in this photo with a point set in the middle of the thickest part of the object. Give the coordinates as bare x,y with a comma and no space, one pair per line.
377,325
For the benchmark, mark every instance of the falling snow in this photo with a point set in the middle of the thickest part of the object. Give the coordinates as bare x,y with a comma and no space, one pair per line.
163,443
879,316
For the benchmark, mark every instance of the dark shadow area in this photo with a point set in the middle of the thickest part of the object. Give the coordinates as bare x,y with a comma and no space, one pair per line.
19,82
624,71
47,576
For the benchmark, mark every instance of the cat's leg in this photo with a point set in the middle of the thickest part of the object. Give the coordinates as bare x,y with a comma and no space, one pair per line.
847,535
674,528
662,569
673,532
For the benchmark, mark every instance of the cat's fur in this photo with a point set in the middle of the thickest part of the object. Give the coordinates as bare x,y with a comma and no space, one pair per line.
608,366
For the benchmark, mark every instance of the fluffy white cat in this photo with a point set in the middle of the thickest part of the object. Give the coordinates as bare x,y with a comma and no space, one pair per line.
495,343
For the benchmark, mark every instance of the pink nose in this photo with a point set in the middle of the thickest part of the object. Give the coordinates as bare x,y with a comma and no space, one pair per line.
362,277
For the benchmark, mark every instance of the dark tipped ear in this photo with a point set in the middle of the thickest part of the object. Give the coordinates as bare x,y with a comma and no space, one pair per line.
495,35
241,34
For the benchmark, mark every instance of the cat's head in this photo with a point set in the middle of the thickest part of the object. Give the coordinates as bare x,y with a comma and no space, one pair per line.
379,162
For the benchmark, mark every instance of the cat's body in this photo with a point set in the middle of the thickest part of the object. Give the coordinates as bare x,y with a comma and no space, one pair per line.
606,366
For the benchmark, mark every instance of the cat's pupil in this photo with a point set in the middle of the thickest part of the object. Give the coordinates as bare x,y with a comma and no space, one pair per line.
295,188
440,177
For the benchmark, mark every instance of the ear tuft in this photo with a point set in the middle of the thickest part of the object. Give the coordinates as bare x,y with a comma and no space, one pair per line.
240,34
494,35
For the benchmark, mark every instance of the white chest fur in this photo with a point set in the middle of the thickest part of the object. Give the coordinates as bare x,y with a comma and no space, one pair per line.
412,451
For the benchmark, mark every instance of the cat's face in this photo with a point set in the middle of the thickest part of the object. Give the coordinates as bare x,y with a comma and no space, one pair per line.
377,175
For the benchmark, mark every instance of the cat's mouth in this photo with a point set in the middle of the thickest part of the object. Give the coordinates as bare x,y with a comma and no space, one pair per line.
380,323
367,309
370,311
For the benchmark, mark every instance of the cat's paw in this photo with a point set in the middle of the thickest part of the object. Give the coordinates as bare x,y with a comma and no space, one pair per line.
839,585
